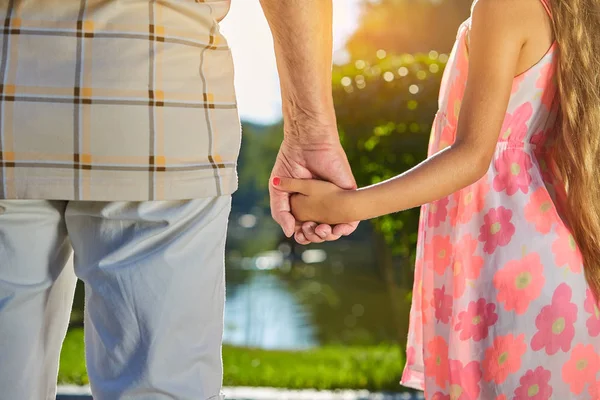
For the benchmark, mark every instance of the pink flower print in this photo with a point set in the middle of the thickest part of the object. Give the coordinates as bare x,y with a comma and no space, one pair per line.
503,358
462,350
556,323
517,83
512,168
443,305
437,365
421,302
411,354
594,390
547,82
462,59
416,323
548,178
476,321
497,230
540,210
438,253
519,282
467,265
411,360
438,211
417,290
514,128
593,322
419,265
471,200
427,303
420,261
409,376
559,192
547,75
441,396
501,397
582,368
438,122
464,381
535,385
454,102
447,137
453,214
566,251
540,138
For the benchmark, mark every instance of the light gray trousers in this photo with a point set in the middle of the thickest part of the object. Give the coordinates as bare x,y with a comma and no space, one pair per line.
154,283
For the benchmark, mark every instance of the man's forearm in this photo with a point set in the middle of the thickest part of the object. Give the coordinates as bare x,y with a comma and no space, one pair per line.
302,35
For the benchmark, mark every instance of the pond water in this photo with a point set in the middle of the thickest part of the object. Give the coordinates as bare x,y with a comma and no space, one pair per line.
334,295
263,312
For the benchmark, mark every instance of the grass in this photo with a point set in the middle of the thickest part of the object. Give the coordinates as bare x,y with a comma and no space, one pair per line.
375,368
72,361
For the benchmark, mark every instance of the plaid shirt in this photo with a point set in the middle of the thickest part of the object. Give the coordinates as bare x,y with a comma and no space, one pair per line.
116,100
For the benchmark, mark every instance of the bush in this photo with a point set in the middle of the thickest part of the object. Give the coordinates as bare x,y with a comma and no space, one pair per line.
385,112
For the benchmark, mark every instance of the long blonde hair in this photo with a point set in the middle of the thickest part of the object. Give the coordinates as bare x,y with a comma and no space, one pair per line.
577,146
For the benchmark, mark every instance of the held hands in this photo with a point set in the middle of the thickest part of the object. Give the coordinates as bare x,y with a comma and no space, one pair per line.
315,200
307,160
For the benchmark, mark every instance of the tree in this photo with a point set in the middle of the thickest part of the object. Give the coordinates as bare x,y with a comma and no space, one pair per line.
386,100
385,112
407,26
259,143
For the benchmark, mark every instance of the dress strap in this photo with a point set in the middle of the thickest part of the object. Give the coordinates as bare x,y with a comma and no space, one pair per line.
546,4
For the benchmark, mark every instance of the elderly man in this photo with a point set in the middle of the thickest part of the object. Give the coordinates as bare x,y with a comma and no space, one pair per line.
118,140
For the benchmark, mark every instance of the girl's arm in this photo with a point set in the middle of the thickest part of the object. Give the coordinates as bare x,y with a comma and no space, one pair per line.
496,40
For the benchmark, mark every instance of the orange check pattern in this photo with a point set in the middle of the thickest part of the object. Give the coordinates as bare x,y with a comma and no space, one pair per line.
116,100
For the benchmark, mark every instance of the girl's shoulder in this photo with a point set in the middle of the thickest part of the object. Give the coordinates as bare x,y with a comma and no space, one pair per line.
497,18
525,23
514,12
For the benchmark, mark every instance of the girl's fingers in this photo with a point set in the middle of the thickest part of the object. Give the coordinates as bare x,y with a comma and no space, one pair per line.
291,185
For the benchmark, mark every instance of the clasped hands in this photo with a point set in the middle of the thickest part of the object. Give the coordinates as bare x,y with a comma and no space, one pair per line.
309,191
316,200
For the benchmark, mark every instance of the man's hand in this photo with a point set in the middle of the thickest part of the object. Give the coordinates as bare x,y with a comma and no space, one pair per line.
326,162
302,38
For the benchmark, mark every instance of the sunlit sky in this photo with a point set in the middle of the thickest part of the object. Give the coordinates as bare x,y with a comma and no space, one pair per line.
251,42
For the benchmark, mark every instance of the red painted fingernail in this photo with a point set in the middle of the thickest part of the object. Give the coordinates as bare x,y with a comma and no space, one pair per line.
276,181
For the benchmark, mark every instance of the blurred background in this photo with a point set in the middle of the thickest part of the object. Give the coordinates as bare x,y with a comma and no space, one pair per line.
333,315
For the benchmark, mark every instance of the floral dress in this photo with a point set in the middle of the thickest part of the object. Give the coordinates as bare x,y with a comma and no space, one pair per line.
501,309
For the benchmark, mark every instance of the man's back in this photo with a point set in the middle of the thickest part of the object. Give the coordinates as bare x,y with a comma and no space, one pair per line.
116,100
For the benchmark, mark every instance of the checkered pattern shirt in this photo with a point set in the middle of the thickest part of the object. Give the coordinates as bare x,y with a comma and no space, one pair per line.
116,100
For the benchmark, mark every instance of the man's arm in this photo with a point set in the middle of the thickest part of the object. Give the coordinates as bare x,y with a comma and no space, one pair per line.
302,36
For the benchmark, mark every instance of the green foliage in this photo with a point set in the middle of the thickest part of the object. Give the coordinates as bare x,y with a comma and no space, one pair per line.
260,145
385,111
373,368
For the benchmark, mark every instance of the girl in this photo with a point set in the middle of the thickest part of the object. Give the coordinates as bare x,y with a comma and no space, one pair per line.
510,229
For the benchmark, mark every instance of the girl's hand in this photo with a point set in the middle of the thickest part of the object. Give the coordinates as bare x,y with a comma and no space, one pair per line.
315,200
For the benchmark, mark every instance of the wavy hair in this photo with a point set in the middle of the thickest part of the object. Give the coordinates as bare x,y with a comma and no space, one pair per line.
577,141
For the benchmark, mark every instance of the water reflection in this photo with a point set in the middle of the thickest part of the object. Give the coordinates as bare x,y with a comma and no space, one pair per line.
319,296
264,313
